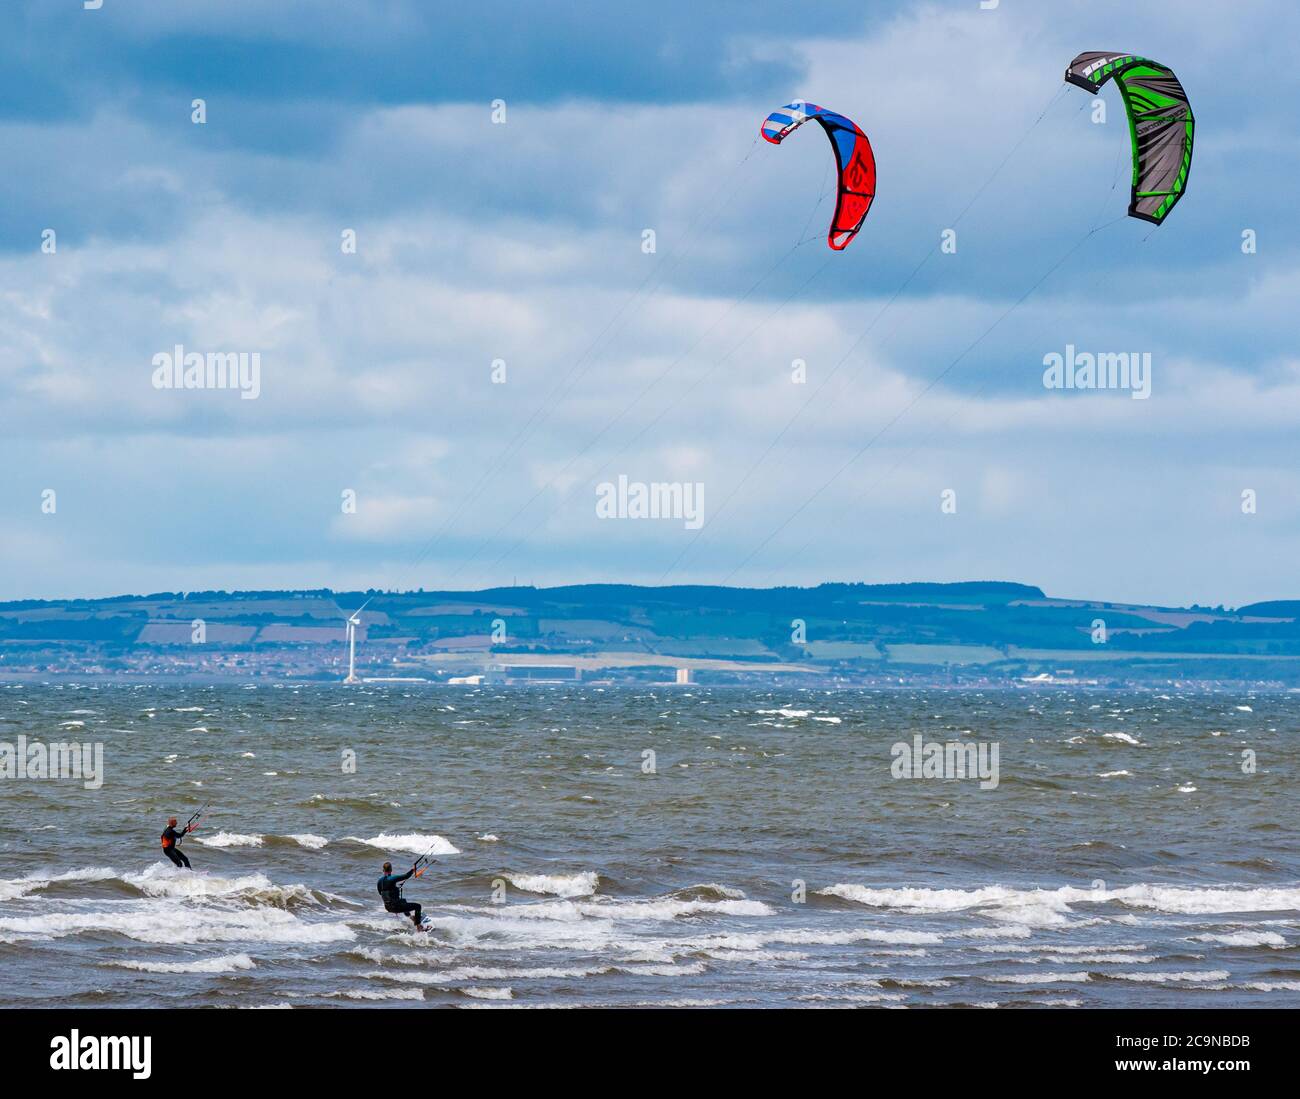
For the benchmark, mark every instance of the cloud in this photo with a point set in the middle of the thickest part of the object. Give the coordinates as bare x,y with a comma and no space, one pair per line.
523,243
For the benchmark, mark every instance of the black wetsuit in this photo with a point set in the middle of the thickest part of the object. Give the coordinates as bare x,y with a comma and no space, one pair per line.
389,889
171,838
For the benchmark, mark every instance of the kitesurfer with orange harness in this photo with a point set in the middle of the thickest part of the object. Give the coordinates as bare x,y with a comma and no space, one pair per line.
171,839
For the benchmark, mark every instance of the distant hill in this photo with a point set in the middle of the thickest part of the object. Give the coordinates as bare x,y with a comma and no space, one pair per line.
976,631
1277,608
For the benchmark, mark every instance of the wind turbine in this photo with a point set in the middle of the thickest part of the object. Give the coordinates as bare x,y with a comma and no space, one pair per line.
354,621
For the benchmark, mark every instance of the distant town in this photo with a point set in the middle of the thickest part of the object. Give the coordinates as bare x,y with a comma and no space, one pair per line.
965,634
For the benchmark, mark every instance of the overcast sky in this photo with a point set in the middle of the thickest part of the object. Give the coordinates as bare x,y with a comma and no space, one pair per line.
522,241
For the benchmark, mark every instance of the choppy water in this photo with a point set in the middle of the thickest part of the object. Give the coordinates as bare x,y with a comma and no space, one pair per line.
1124,859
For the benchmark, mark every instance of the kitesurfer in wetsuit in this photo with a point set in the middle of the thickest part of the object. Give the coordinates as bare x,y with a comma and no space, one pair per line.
171,840
390,888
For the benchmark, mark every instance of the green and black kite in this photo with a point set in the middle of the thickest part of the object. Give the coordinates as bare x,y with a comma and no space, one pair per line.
1160,124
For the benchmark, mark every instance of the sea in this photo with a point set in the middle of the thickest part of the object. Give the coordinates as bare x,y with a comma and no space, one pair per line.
652,846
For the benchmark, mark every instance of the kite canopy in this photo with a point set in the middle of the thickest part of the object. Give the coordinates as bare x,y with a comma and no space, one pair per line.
853,156
1160,125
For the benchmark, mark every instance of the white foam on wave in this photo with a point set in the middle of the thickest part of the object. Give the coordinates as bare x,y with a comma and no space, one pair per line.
727,954
1026,908
307,839
1029,915
1167,978
660,908
757,945
1244,938
1123,738
856,935
716,888
922,982
231,839
416,843
925,900
610,938
601,927
689,1001
1098,959
12,889
156,924
851,997
1205,901
1003,901
1004,932
1039,978
488,993
253,889
378,994
383,957
559,885
1021,948
655,969
228,963
461,974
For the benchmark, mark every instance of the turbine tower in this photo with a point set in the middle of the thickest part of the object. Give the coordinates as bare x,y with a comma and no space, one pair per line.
353,622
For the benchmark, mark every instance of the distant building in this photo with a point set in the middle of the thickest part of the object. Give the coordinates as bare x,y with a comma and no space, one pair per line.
533,673
394,679
685,677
